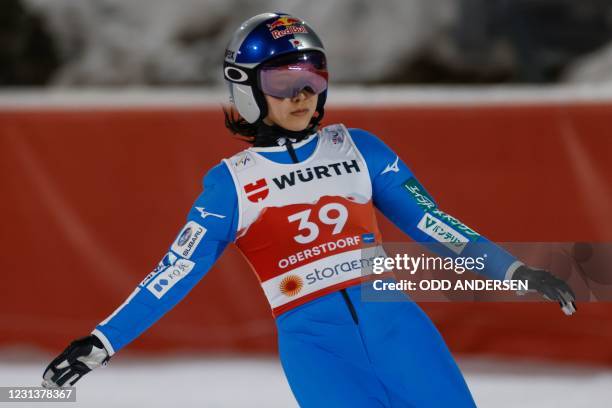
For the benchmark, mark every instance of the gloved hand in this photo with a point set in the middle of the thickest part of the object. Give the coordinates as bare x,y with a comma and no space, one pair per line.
549,286
79,358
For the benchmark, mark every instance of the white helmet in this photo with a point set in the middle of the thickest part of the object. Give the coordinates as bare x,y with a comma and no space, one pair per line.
265,39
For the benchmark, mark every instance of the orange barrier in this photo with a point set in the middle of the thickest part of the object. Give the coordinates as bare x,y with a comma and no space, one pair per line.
91,200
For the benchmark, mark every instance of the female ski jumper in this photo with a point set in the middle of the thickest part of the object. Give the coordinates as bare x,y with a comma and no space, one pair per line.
301,226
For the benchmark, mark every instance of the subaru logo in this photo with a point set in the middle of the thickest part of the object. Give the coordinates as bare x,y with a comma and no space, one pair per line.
185,237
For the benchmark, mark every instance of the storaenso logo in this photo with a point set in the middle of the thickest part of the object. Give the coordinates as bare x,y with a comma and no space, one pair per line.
338,269
316,172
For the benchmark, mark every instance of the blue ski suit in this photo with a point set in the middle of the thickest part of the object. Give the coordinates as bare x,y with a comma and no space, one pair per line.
336,350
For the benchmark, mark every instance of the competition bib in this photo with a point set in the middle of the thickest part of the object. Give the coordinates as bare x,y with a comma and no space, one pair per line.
302,226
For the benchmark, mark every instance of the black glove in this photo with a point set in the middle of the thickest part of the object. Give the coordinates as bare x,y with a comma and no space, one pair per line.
547,284
79,358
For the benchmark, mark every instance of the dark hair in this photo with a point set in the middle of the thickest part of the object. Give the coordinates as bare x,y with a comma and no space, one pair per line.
238,125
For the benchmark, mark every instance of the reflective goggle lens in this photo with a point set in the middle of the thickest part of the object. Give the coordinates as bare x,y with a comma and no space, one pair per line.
308,72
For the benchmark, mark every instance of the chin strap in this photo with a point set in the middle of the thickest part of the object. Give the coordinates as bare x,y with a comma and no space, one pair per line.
276,136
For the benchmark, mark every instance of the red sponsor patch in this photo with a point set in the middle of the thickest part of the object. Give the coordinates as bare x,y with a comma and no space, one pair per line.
257,190
285,26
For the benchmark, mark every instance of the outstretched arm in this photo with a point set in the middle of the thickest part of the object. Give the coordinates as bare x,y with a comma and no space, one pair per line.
211,225
403,200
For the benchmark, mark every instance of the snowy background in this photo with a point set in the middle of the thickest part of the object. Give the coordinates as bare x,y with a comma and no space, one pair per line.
181,42
68,44
228,382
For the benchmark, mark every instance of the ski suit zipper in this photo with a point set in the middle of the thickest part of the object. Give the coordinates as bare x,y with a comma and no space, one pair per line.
350,305
345,296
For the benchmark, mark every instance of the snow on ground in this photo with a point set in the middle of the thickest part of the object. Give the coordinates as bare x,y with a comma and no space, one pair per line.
259,382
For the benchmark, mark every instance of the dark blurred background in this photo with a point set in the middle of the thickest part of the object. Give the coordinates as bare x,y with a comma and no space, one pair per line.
101,160
161,43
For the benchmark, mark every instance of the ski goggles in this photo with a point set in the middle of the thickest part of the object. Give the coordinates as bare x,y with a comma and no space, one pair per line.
286,77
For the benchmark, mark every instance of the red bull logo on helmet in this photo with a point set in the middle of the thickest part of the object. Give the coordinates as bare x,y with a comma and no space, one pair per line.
285,26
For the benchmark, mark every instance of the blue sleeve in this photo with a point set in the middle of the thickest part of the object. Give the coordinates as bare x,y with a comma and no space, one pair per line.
401,198
211,225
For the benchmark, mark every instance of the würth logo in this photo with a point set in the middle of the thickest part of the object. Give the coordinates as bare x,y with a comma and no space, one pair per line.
257,190
315,173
